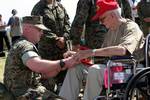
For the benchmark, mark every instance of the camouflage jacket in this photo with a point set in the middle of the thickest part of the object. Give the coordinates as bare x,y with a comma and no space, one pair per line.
17,76
125,8
56,19
143,9
94,32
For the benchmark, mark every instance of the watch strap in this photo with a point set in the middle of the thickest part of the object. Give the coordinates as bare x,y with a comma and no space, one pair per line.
61,63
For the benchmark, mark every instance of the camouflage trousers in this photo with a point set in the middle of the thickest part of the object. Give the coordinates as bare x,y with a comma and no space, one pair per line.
40,93
50,51
4,93
54,84
145,28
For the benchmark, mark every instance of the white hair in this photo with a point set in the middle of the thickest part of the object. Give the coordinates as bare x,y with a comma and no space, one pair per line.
116,11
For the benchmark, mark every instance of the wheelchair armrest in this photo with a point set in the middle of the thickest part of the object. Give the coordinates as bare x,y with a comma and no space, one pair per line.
121,57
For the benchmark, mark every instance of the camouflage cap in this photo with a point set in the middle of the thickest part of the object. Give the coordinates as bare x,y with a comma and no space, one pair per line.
36,21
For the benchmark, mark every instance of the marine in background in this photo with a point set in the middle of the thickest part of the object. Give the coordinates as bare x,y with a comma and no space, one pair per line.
52,45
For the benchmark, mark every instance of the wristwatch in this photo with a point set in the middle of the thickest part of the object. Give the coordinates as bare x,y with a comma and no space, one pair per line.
61,63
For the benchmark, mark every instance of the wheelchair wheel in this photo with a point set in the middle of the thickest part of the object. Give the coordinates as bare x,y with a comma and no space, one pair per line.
138,87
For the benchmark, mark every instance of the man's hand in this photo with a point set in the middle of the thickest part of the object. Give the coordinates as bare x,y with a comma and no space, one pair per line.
69,54
70,62
76,47
60,42
82,54
2,26
147,19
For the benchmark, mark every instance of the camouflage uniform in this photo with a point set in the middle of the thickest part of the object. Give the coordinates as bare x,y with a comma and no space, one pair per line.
144,12
19,79
125,8
4,93
94,32
57,20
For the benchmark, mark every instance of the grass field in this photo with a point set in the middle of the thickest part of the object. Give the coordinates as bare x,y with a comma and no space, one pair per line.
2,64
2,61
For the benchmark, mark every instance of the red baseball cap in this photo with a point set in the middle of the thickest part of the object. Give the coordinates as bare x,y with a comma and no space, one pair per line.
104,6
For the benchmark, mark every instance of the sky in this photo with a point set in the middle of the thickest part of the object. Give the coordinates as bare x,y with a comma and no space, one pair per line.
24,7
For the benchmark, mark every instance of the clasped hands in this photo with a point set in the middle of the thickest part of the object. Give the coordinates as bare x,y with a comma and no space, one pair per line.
76,57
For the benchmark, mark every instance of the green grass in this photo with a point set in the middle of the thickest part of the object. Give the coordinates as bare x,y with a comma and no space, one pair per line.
2,60
2,64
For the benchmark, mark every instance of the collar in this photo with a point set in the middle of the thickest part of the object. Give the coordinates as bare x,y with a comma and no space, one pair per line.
52,6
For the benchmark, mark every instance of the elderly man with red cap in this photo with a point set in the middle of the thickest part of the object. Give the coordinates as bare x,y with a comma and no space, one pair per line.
124,37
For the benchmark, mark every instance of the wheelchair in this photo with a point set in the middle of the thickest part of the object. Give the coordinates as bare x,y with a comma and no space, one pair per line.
139,85
118,72
133,83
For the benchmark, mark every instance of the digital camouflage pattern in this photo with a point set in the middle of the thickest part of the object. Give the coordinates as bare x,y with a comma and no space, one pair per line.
125,8
94,32
83,24
4,93
57,20
19,79
144,12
